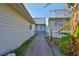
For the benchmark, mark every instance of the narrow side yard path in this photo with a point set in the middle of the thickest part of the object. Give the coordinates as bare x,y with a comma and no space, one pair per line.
39,47
56,51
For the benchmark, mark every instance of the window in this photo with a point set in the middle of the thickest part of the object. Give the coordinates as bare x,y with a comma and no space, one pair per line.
30,27
58,23
55,23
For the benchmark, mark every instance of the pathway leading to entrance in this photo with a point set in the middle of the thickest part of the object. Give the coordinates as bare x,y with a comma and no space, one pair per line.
39,47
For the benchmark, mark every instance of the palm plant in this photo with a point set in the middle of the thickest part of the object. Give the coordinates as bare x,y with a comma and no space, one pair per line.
73,28
73,24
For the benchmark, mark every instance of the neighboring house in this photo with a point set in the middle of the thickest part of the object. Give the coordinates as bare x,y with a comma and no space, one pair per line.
16,26
54,24
40,26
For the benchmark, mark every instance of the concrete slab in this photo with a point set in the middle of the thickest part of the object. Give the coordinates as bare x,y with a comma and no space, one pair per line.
39,47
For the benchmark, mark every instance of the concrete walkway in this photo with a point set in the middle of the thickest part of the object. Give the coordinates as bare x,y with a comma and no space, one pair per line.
39,47
56,51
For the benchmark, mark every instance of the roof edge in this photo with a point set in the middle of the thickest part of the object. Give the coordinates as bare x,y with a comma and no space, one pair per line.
20,8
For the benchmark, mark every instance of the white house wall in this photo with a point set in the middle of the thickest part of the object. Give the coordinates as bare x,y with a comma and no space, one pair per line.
39,20
55,28
14,29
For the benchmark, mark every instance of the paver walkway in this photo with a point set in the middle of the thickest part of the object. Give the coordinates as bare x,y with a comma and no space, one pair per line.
39,47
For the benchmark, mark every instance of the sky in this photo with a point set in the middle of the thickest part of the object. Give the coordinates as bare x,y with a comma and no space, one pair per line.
39,9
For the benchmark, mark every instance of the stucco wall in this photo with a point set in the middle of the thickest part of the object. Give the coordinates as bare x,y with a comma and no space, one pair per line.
14,29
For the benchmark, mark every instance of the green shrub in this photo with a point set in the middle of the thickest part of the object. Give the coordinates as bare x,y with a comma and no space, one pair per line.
22,49
64,44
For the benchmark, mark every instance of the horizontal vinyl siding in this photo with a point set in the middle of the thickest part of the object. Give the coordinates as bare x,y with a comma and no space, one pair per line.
14,29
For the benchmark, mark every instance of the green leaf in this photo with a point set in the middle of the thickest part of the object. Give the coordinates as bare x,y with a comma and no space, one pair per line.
70,4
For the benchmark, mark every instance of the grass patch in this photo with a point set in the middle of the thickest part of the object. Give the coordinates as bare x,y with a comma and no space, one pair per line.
62,43
22,49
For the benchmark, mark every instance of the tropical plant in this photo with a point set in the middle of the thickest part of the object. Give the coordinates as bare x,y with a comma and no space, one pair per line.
74,32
